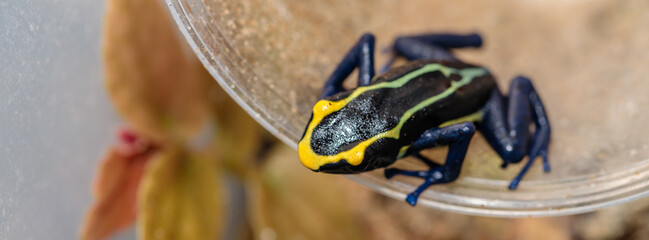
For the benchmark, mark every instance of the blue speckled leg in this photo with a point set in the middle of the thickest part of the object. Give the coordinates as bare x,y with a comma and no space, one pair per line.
431,46
458,137
361,56
506,126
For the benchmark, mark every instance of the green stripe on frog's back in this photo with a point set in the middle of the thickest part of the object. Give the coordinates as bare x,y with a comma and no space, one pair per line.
389,104
448,109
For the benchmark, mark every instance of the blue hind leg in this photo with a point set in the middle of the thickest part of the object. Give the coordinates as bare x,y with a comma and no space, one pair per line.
431,46
360,55
506,126
457,137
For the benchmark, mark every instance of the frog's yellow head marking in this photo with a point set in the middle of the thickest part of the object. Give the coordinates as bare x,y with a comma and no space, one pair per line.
309,157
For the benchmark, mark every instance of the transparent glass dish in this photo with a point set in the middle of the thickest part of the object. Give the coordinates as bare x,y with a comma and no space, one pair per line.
586,58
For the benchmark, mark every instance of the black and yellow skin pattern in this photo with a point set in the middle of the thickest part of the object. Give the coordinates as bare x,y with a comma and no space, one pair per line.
366,121
433,100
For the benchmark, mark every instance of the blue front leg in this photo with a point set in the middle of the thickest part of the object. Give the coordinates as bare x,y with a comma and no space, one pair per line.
506,126
362,56
457,137
431,46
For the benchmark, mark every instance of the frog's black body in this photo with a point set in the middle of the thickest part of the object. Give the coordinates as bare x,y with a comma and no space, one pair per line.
433,100
379,110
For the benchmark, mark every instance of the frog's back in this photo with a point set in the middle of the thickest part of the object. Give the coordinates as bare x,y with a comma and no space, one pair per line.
400,104
437,92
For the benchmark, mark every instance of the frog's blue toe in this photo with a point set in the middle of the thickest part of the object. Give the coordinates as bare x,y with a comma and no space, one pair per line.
412,199
457,137
434,176
546,162
539,149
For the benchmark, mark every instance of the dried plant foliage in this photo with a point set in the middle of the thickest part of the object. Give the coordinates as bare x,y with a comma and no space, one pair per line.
166,95
180,197
158,86
287,201
116,186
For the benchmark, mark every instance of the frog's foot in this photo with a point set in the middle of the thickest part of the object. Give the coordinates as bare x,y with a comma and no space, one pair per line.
506,126
541,138
430,46
457,137
434,176
539,148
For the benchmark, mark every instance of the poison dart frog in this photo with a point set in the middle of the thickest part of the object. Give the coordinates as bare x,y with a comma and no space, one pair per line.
433,100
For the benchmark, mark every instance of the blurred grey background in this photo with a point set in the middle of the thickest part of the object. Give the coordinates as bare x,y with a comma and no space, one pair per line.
55,118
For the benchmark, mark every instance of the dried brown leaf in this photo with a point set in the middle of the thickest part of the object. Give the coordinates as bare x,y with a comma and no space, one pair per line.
180,198
239,139
116,186
289,202
155,83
